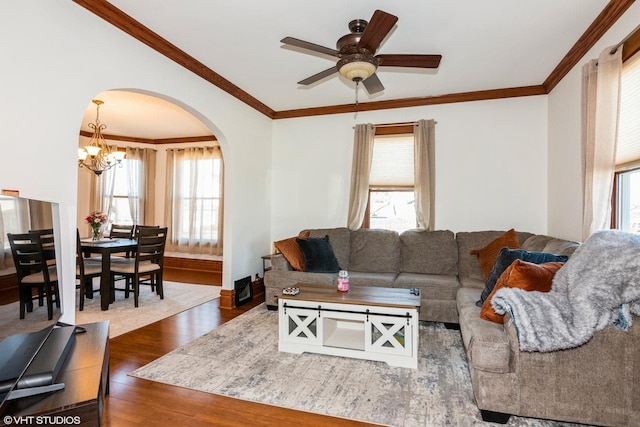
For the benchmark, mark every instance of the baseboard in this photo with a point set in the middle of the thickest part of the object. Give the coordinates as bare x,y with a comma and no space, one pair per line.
193,270
227,299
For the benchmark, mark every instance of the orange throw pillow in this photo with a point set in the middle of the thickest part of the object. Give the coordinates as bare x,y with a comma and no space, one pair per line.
291,251
523,275
487,255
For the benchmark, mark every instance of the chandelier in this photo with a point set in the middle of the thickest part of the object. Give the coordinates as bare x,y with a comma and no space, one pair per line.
97,156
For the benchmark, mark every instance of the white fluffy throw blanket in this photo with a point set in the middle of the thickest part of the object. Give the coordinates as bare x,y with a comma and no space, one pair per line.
599,284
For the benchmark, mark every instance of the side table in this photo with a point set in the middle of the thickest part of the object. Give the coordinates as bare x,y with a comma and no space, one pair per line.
266,263
86,378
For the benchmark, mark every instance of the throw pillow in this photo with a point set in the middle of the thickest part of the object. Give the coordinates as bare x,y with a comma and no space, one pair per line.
291,251
523,275
318,255
506,257
487,255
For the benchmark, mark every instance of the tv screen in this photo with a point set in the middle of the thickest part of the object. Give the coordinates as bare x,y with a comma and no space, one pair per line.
30,363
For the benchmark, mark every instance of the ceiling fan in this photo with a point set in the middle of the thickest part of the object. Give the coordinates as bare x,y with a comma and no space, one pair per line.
356,52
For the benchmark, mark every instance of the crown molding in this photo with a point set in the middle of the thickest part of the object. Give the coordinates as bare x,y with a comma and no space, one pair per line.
184,139
414,102
135,29
609,15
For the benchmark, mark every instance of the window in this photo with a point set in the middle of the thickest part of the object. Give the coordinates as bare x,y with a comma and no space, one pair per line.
198,206
627,212
626,196
14,217
391,202
195,191
125,204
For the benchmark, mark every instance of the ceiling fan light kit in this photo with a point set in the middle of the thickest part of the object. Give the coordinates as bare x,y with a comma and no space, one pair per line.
356,53
357,67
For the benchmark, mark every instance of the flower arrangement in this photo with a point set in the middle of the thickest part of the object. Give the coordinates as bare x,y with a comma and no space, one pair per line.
96,220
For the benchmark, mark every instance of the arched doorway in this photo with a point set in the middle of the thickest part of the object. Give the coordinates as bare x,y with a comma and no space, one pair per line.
139,121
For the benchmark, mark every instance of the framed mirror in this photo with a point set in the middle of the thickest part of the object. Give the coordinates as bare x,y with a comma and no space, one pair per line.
21,215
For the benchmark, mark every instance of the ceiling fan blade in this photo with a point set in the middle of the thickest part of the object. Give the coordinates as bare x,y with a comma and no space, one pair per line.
309,46
415,61
321,75
373,84
379,26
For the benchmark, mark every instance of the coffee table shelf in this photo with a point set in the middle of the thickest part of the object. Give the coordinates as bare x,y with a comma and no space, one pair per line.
343,333
367,323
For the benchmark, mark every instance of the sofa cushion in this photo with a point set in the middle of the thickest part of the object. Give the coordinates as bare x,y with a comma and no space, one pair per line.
428,252
487,255
340,242
486,344
542,243
523,275
506,257
291,251
381,280
375,251
468,265
276,280
318,255
432,286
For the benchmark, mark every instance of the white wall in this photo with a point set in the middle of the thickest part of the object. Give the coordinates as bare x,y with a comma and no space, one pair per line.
57,56
491,166
565,173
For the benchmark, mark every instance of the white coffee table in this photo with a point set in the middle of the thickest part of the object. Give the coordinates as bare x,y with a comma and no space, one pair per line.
365,323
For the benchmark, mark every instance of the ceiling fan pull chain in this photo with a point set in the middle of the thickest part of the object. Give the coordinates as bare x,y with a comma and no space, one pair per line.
357,82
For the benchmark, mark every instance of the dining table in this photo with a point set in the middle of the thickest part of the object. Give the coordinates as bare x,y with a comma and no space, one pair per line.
105,247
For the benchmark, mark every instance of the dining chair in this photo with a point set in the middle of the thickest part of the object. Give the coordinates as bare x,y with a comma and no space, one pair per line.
122,231
48,244
33,272
146,263
138,228
85,272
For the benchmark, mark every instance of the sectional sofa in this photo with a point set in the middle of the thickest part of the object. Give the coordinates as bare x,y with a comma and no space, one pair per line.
595,383
438,263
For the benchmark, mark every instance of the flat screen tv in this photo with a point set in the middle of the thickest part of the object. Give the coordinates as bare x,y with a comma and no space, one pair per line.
30,363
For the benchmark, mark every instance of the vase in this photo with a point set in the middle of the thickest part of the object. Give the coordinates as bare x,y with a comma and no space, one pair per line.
95,233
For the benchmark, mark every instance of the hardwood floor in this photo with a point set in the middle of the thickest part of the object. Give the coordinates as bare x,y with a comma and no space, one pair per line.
137,402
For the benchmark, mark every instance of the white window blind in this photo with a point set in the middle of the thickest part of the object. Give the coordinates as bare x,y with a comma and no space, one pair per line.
628,144
392,163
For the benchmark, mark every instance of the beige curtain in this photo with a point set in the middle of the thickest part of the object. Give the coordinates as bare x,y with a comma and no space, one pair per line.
194,200
424,170
600,110
95,194
141,171
360,168
100,199
18,219
21,215
141,181
40,214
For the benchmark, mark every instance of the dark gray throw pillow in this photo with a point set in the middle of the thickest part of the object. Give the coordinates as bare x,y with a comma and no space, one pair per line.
506,257
318,255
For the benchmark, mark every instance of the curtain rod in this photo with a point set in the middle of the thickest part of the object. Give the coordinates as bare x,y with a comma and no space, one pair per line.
616,47
386,125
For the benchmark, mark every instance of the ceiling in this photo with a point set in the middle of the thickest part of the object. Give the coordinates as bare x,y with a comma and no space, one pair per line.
142,117
486,45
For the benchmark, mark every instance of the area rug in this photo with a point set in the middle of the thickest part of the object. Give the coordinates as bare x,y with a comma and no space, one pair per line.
240,359
122,315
